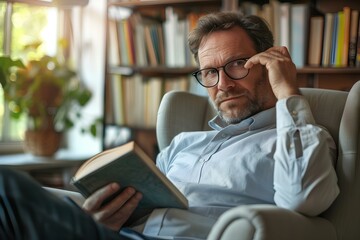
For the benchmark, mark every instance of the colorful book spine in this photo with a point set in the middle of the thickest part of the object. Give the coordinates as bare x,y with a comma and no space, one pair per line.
354,25
339,40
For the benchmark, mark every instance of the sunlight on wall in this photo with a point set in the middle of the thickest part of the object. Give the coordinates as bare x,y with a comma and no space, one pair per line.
92,73
50,33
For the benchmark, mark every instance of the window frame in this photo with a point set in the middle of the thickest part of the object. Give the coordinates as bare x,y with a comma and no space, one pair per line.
50,3
6,144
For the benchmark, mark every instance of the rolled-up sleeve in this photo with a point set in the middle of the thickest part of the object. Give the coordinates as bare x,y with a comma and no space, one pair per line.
304,176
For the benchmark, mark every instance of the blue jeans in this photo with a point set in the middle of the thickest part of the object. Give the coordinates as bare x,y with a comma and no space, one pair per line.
27,211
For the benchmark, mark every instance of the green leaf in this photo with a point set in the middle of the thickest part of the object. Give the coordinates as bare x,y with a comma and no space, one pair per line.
68,123
84,97
3,78
6,63
93,130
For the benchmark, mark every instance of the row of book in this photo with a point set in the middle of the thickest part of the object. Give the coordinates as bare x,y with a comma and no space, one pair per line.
148,41
334,39
312,37
134,100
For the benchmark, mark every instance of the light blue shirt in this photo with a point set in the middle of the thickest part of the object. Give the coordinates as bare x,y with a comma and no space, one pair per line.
278,156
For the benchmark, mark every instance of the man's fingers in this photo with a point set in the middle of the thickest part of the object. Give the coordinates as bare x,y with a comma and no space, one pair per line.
270,55
281,49
125,200
95,201
128,208
116,216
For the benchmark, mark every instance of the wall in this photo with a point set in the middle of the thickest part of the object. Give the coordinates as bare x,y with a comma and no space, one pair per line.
91,42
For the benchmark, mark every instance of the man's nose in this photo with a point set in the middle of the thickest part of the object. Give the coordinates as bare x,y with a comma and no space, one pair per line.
225,82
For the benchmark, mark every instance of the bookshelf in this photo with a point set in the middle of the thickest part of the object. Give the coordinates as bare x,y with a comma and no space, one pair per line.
139,68
338,77
123,64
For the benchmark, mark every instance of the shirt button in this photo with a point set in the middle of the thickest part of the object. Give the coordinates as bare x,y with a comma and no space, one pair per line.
294,113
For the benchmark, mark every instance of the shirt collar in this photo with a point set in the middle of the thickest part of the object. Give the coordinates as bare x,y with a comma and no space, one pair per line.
257,121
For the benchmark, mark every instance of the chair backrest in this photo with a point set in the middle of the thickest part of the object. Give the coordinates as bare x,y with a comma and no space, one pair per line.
182,112
337,111
345,212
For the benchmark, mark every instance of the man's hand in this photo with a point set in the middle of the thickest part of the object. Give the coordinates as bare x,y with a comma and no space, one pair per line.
281,70
115,213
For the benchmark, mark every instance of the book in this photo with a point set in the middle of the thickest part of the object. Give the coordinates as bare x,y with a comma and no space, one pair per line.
357,63
139,36
113,50
267,13
153,91
129,165
315,40
328,31
334,40
129,41
276,27
249,8
299,33
169,26
353,37
230,5
124,60
117,99
150,47
285,24
346,42
340,32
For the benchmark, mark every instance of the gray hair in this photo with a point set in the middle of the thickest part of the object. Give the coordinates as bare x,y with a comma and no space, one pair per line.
256,27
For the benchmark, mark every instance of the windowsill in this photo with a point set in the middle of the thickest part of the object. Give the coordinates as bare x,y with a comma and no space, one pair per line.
11,147
27,162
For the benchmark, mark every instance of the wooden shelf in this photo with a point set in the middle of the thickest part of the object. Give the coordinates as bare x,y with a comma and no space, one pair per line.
179,71
162,71
325,6
156,8
46,3
157,3
329,70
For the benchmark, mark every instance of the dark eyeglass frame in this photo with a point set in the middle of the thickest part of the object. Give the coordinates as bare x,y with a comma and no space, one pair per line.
195,74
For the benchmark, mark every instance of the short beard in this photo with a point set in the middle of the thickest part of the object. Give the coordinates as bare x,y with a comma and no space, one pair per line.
255,104
251,109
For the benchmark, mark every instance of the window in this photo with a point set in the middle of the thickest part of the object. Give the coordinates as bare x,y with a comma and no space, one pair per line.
2,23
23,24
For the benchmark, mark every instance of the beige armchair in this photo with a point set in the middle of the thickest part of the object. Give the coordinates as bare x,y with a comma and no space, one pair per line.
339,112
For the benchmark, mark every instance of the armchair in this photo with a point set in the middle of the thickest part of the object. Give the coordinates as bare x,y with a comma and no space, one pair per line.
339,112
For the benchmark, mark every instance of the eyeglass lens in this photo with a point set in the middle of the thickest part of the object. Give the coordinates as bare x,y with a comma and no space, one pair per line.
209,77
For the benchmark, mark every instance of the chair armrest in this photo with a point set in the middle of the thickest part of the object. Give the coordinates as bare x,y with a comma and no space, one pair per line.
270,222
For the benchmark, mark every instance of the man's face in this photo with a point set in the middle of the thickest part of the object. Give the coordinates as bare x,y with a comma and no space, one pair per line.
235,100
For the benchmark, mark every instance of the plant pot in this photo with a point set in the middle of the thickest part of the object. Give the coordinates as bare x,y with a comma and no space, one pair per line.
42,142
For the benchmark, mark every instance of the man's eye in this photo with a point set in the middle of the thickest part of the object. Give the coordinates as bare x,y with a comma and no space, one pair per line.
210,72
237,63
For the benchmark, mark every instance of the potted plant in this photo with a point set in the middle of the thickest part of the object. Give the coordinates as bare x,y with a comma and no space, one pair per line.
49,94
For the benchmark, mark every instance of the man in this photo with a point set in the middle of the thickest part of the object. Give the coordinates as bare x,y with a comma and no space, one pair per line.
265,146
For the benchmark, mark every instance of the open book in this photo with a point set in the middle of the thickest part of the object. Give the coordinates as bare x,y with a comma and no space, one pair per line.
129,166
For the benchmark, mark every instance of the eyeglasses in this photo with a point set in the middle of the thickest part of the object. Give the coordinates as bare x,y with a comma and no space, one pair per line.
209,77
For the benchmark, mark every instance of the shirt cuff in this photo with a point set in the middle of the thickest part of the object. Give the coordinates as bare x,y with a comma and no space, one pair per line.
293,111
